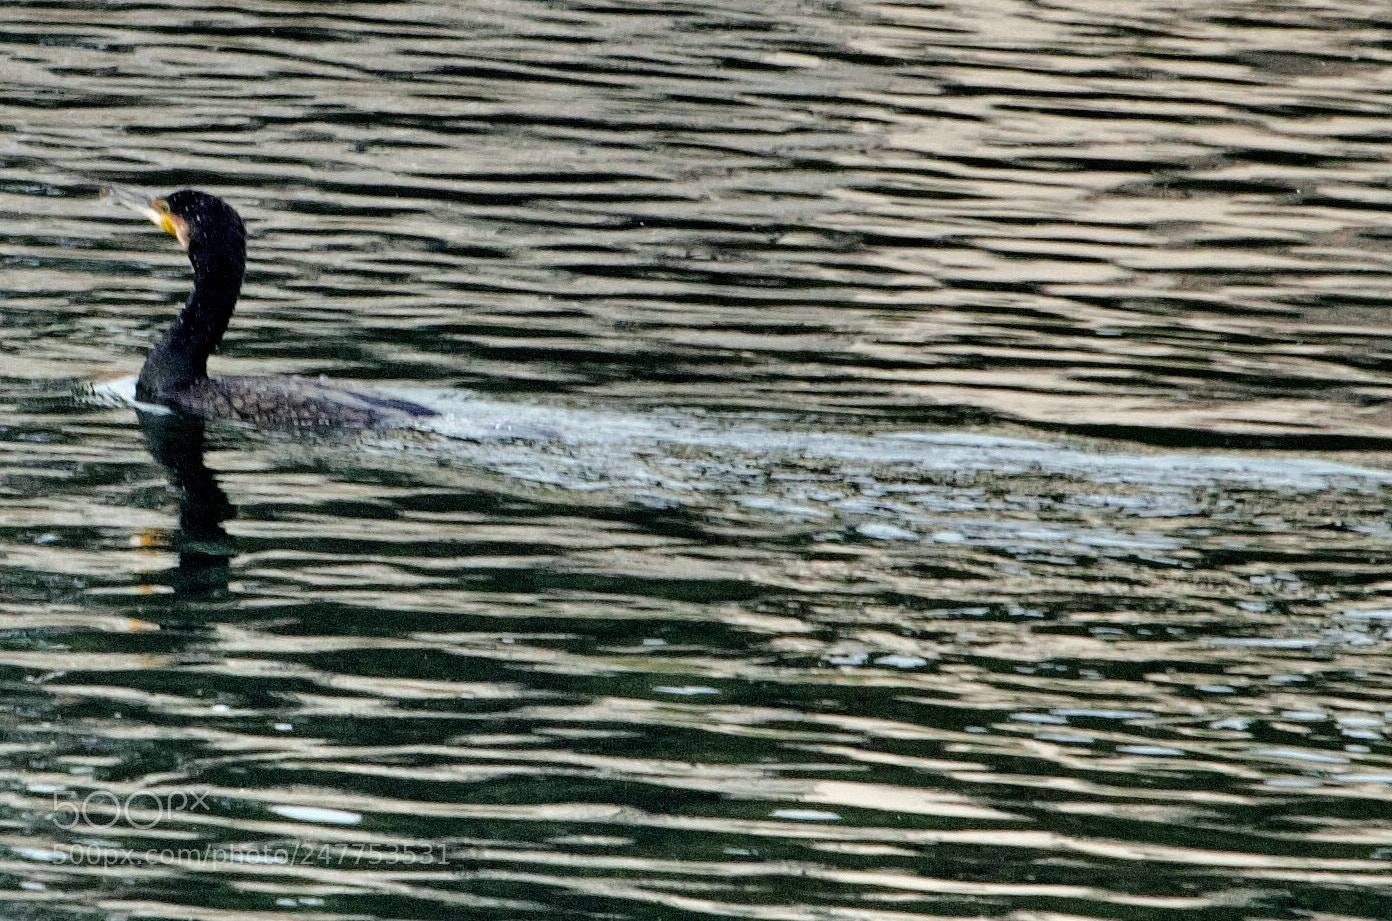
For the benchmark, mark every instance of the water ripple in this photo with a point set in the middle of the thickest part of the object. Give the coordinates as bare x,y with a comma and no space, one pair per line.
896,462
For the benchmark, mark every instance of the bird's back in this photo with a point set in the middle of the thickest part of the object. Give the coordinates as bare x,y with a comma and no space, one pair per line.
292,402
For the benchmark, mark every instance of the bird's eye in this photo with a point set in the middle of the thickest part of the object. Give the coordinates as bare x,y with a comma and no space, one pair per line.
164,207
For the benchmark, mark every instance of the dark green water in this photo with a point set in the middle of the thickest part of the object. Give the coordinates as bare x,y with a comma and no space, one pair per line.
897,462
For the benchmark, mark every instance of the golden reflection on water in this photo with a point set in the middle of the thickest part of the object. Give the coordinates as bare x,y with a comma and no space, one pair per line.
801,593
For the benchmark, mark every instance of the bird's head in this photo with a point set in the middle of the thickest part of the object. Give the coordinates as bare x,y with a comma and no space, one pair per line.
205,225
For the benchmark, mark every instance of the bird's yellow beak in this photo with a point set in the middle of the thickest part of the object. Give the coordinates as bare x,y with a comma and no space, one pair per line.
156,209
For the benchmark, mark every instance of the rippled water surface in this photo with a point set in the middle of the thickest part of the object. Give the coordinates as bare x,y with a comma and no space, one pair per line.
896,461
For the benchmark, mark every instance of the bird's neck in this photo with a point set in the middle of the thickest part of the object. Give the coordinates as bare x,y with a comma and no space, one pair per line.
181,356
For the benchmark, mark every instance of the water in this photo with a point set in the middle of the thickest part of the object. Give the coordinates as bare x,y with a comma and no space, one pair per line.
896,462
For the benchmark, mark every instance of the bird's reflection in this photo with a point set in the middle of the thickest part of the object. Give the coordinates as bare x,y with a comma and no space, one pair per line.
205,549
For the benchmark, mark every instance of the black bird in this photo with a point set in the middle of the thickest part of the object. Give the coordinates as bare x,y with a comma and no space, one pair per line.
175,372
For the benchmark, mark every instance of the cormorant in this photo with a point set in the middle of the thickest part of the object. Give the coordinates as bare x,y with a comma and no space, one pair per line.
175,372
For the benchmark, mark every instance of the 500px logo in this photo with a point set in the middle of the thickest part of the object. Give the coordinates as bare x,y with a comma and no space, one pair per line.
105,809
